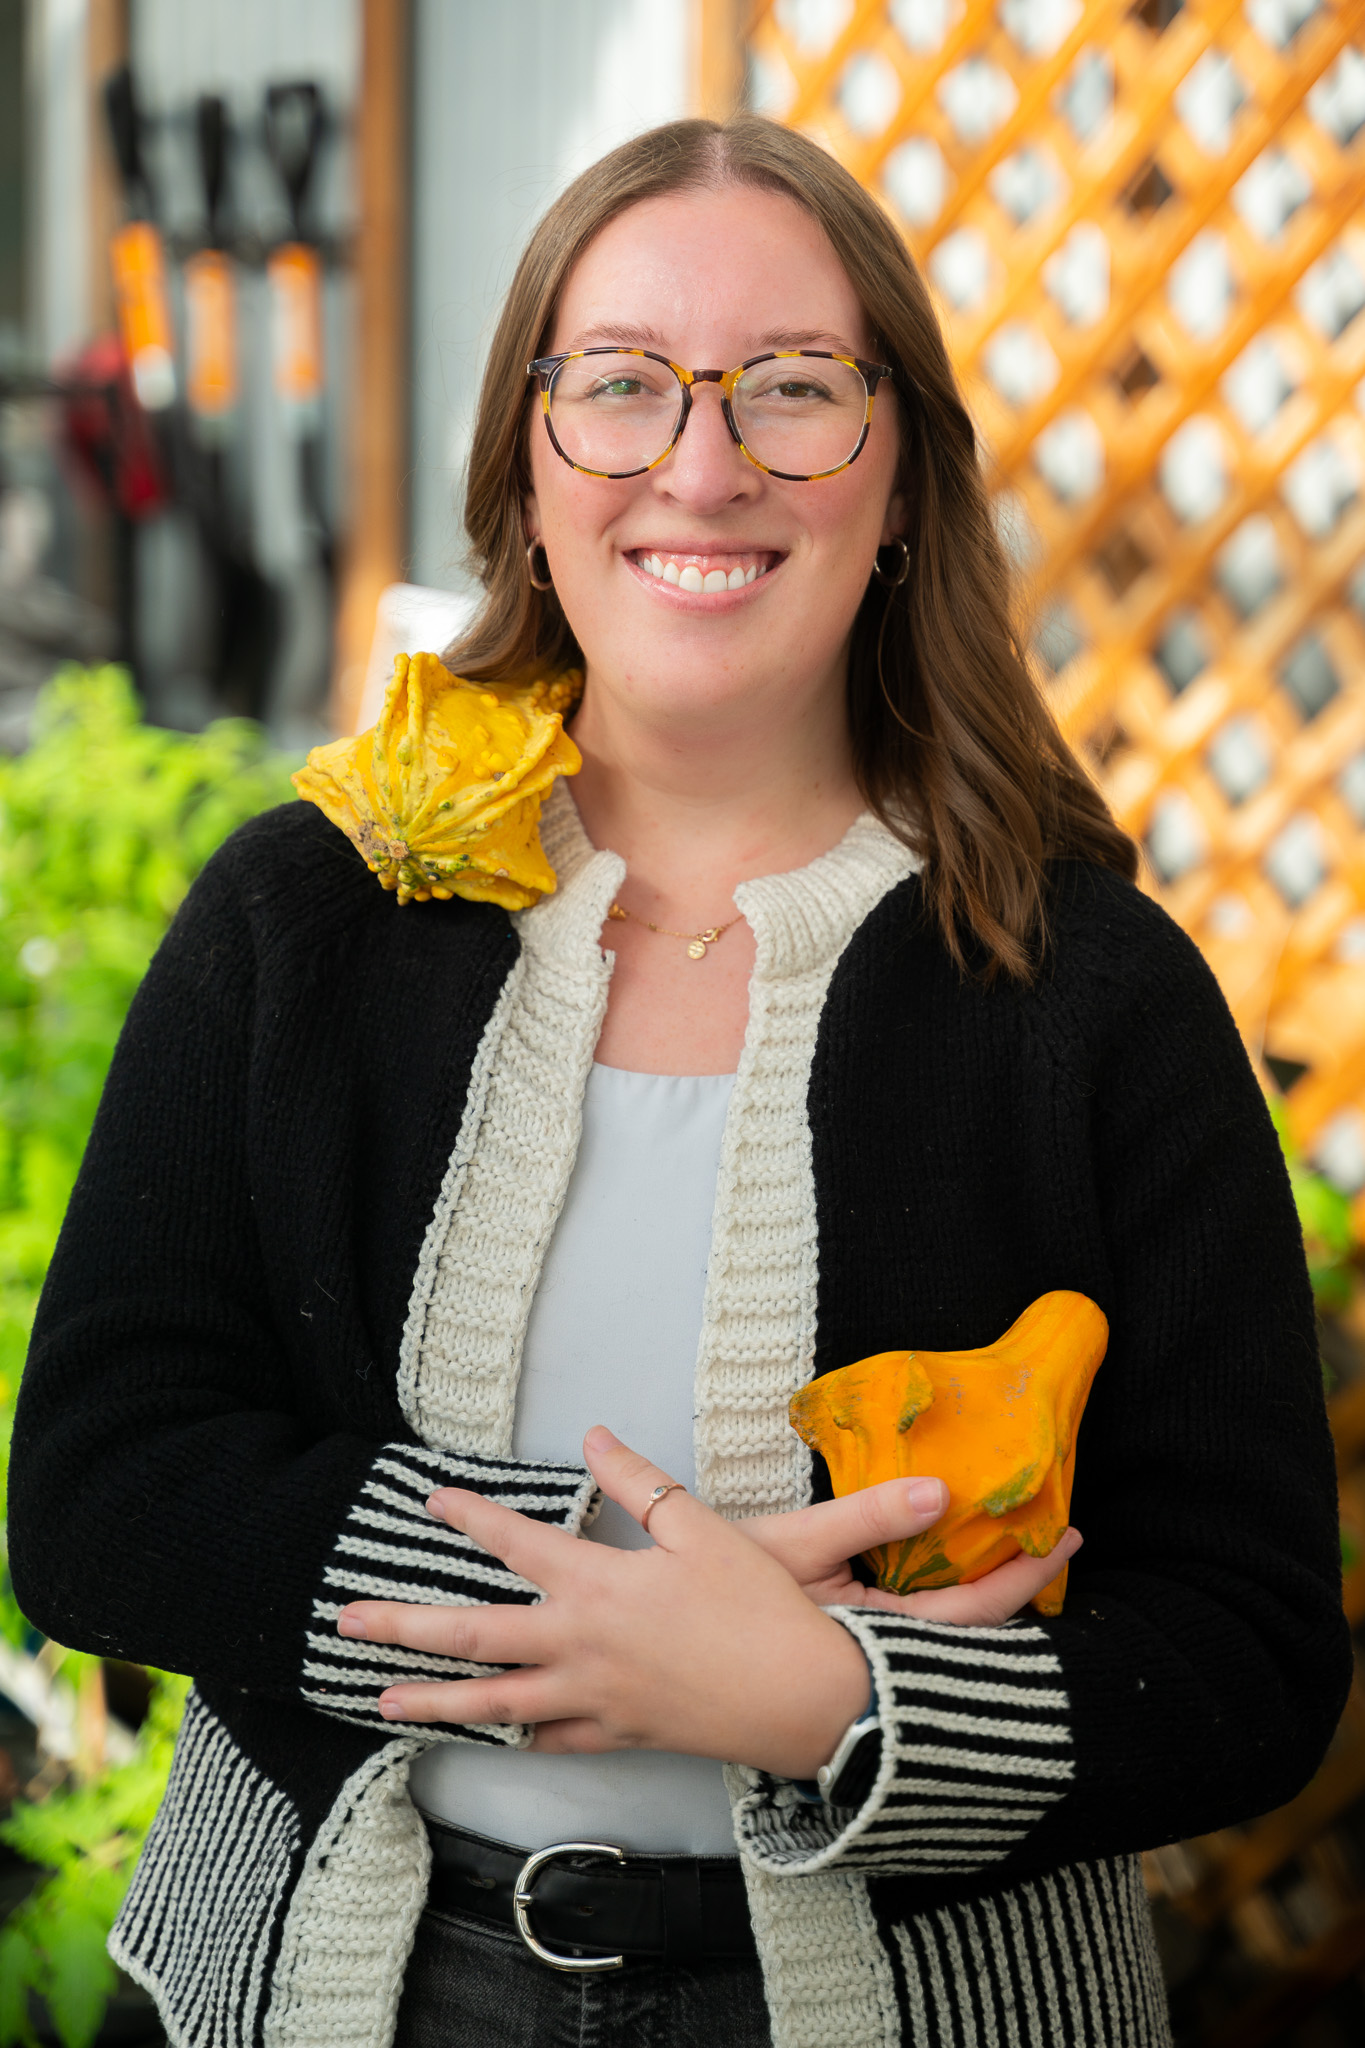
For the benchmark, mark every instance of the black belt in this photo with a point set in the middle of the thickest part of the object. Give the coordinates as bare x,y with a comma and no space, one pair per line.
588,1905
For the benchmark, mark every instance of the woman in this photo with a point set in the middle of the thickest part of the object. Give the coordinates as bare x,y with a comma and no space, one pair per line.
869,1042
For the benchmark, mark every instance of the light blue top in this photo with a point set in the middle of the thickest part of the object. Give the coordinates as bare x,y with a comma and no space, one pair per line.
612,1337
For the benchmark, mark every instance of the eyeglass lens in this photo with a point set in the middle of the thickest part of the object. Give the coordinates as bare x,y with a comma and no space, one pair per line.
615,414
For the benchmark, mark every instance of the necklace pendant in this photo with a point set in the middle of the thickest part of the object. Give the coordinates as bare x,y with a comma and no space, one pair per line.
697,950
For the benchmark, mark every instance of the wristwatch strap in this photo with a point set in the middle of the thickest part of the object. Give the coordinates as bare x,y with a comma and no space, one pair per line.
849,1775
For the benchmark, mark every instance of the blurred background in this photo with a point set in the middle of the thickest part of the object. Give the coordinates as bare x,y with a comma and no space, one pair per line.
250,258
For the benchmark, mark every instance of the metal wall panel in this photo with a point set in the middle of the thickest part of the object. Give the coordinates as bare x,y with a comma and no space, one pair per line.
58,249
181,48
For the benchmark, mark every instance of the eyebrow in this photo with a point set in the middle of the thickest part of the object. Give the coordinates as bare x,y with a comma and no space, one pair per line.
622,331
648,337
815,337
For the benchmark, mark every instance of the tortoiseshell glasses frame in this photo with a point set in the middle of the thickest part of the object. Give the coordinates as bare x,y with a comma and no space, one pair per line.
547,368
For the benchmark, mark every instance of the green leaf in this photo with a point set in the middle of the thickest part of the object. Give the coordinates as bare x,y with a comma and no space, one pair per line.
20,1964
80,1978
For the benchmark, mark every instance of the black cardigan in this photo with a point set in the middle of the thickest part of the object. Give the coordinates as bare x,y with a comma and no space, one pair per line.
214,1369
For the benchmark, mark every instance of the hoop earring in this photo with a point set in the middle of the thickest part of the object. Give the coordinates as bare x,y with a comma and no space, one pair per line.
549,582
893,583
902,567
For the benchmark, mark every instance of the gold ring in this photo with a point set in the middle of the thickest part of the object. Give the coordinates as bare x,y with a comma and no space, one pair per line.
670,1486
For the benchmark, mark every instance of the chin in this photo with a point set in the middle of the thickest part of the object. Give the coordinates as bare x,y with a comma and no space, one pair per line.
694,682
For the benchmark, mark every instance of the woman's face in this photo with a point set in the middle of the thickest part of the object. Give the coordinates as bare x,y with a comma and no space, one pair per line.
708,278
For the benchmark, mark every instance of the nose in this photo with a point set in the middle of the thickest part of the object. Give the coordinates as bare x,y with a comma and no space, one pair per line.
707,470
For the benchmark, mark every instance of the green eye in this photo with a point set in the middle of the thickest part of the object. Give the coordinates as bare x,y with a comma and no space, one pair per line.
790,390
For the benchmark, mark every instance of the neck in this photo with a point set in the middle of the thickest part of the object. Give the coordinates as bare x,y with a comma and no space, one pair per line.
697,805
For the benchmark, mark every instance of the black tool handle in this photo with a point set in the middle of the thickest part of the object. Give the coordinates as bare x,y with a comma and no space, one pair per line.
293,133
125,133
212,135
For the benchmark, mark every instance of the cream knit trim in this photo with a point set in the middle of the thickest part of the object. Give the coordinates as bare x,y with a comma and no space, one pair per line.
826,1976
758,1325
498,1205
424,1405
353,1917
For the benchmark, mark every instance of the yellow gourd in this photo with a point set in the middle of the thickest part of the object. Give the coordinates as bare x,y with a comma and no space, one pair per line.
997,1425
443,795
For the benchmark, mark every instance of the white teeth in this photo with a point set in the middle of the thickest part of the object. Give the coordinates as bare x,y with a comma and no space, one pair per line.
692,578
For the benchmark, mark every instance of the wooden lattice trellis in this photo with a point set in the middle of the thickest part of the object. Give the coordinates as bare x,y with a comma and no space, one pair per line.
1144,228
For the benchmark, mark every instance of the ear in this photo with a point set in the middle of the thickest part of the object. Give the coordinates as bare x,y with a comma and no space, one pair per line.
896,520
530,517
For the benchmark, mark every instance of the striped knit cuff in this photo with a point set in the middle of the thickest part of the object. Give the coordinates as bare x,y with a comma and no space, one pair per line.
390,1549
976,1747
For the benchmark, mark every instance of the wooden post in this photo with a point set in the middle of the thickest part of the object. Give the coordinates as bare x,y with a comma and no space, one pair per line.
376,511
106,47
720,27
92,1722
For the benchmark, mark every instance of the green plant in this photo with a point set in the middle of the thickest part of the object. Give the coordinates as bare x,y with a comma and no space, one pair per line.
88,1839
104,824
1324,1218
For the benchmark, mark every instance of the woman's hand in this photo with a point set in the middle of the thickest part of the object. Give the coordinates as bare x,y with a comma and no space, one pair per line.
816,1543
689,1646
704,1644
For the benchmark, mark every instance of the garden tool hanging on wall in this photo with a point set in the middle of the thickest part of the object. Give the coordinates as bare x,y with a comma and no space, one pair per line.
138,258
112,443
246,605
120,415
293,133
294,122
210,294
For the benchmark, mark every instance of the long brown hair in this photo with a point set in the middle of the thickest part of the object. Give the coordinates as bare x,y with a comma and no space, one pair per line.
953,746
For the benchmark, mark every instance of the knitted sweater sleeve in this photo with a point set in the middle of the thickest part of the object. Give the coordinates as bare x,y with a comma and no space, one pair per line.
168,1504
1198,1669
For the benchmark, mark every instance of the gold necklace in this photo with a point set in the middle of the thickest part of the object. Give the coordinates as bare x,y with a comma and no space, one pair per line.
697,941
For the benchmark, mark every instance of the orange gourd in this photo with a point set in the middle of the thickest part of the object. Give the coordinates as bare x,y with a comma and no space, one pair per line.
997,1425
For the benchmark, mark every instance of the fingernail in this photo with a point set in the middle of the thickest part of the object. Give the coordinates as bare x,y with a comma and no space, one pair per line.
433,1507
600,1438
927,1496
389,1708
352,1625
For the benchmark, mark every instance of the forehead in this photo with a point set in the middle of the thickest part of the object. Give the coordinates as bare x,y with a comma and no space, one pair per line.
733,267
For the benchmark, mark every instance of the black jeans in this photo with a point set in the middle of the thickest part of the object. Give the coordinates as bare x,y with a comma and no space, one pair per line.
469,1985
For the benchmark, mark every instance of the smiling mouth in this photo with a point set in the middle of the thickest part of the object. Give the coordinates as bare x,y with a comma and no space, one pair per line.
730,570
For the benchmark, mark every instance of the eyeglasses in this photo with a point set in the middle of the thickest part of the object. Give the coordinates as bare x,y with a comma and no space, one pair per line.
799,414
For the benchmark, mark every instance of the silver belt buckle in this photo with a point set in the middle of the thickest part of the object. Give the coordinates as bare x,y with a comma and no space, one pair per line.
523,1896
